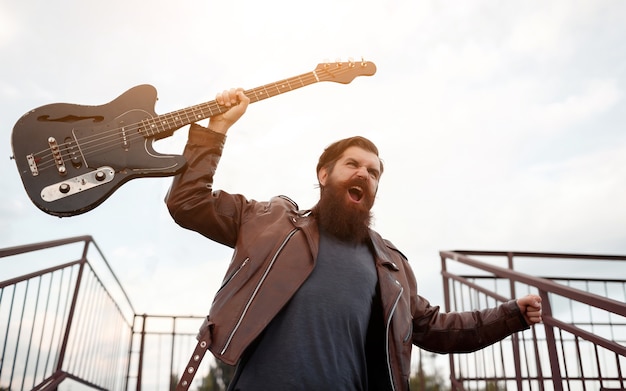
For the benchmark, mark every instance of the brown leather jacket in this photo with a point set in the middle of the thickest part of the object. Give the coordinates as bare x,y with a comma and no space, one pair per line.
276,247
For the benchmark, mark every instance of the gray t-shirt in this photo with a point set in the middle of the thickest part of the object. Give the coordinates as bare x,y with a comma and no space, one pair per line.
317,342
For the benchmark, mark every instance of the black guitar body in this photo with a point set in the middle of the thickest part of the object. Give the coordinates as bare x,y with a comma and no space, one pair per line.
71,158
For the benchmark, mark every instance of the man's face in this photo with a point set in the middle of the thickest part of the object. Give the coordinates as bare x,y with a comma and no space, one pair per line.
356,173
348,193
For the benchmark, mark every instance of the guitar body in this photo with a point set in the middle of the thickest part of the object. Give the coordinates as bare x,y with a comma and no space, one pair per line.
101,148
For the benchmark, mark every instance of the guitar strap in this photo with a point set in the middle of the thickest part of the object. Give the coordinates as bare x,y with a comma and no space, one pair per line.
204,336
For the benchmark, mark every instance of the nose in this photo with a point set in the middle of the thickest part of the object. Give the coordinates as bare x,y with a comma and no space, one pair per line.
362,173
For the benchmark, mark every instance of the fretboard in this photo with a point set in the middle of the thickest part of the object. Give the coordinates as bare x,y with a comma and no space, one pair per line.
169,122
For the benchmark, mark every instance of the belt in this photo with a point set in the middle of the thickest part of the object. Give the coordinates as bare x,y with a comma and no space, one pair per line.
196,357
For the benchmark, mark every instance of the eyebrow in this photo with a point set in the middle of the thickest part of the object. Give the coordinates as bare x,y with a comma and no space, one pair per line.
373,170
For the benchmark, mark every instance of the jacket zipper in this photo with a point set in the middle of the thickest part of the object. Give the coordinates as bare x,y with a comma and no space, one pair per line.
229,279
393,309
256,290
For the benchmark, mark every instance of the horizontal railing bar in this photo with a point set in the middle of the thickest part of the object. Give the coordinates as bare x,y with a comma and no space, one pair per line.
16,250
15,280
612,280
586,335
530,254
171,316
477,287
542,284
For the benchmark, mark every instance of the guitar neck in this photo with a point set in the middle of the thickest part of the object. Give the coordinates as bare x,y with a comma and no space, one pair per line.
167,123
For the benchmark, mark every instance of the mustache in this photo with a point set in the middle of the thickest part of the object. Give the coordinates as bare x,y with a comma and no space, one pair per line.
357,181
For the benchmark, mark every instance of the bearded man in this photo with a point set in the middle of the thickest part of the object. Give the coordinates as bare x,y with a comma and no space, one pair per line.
316,299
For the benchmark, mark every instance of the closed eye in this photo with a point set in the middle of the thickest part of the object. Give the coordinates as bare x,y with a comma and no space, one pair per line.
374,173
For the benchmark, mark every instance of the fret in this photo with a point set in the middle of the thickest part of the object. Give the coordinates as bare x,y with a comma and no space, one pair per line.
267,94
164,124
256,96
273,90
214,108
259,93
153,127
306,81
285,84
200,113
177,121
186,115
146,127
195,116
281,88
302,84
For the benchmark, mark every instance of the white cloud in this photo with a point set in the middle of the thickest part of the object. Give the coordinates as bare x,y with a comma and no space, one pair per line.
597,97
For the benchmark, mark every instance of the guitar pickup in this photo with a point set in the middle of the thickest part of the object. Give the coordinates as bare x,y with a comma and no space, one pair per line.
77,184
56,155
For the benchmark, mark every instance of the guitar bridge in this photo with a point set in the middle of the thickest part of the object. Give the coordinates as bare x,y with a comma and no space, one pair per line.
77,184
32,164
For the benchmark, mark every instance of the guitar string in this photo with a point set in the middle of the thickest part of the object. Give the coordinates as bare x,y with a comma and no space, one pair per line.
149,127
156,125
116,131
102,141
145,128
142,129
152,122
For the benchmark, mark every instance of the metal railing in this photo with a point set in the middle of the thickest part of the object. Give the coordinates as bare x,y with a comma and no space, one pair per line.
161,348
66,323
62,320
581,344
71,323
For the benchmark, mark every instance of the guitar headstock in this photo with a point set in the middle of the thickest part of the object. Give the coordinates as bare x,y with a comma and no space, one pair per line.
344,72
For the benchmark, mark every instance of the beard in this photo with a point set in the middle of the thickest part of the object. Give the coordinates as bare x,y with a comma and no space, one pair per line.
347,221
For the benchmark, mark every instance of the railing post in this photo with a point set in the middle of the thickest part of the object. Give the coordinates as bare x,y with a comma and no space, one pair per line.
70,316
546,310
172,386
447,304
141,351
130,351
515,337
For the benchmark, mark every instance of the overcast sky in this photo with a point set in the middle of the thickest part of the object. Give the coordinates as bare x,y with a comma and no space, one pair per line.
501,124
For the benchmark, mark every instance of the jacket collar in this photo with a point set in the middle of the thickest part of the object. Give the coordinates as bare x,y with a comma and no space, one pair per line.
382,251
305,220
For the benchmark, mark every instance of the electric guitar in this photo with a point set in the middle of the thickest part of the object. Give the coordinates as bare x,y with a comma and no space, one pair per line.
71,158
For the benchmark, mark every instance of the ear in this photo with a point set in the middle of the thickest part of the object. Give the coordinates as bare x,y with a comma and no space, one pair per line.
322,176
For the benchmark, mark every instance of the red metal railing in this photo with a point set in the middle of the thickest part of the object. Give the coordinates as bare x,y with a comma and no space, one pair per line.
582,342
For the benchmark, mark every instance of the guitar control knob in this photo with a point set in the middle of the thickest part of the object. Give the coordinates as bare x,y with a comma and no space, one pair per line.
64,188
100,176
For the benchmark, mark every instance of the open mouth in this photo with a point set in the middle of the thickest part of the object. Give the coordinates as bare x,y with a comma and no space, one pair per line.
356,193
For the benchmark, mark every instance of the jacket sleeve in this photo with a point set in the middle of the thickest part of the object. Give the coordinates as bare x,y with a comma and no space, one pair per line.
191,200
463,332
